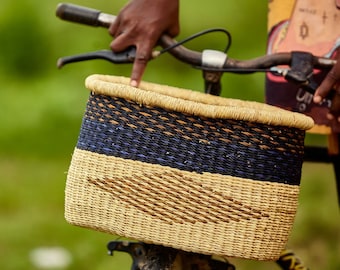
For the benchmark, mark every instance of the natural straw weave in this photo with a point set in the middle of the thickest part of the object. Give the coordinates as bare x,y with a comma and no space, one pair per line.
187,170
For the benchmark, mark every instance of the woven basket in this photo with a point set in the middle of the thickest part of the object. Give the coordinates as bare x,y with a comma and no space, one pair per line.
184,169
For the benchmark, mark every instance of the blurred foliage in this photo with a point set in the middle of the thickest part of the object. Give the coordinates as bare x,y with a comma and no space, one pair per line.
41,110
20,54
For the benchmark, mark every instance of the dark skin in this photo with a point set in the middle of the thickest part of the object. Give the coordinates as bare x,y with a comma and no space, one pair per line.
142,22
331,81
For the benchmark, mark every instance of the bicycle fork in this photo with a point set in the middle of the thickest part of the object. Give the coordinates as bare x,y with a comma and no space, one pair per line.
153,257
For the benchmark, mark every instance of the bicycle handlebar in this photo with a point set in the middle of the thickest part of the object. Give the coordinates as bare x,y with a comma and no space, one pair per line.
84,15
93,17
210,61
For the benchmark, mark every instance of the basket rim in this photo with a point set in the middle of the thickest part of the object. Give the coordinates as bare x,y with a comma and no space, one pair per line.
195,103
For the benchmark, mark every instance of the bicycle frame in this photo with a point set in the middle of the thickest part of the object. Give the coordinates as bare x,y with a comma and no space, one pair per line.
213,64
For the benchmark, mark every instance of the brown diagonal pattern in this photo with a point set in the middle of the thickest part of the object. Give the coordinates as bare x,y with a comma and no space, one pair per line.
175,198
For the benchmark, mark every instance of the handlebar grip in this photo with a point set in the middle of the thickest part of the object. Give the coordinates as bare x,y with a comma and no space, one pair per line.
83,15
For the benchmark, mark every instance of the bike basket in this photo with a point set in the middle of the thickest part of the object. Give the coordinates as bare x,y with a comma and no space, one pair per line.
187,170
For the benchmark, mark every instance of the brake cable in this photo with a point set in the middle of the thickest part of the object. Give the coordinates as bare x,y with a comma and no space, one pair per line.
199,34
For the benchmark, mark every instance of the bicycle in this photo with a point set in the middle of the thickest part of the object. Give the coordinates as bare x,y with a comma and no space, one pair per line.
213,64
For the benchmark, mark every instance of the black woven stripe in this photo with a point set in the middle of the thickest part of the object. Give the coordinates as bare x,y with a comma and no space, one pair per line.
106,109
124,129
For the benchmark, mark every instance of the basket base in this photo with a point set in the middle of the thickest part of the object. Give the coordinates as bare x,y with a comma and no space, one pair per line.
202,213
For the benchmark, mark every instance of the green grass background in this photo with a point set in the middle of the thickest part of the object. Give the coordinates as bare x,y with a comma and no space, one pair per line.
41,110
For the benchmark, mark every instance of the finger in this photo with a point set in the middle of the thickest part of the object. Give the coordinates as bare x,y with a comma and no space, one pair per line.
173,31
330,116
138,68
113,29
325,87
143,55
120,43
335,106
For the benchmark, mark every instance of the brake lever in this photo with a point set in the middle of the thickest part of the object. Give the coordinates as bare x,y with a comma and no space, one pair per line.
123,57
307,83
302,72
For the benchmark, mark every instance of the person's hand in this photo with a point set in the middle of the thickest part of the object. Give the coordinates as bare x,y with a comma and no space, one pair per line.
141,23
331,81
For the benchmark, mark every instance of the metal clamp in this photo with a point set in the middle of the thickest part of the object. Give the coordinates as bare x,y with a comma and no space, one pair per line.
213,59
212,79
